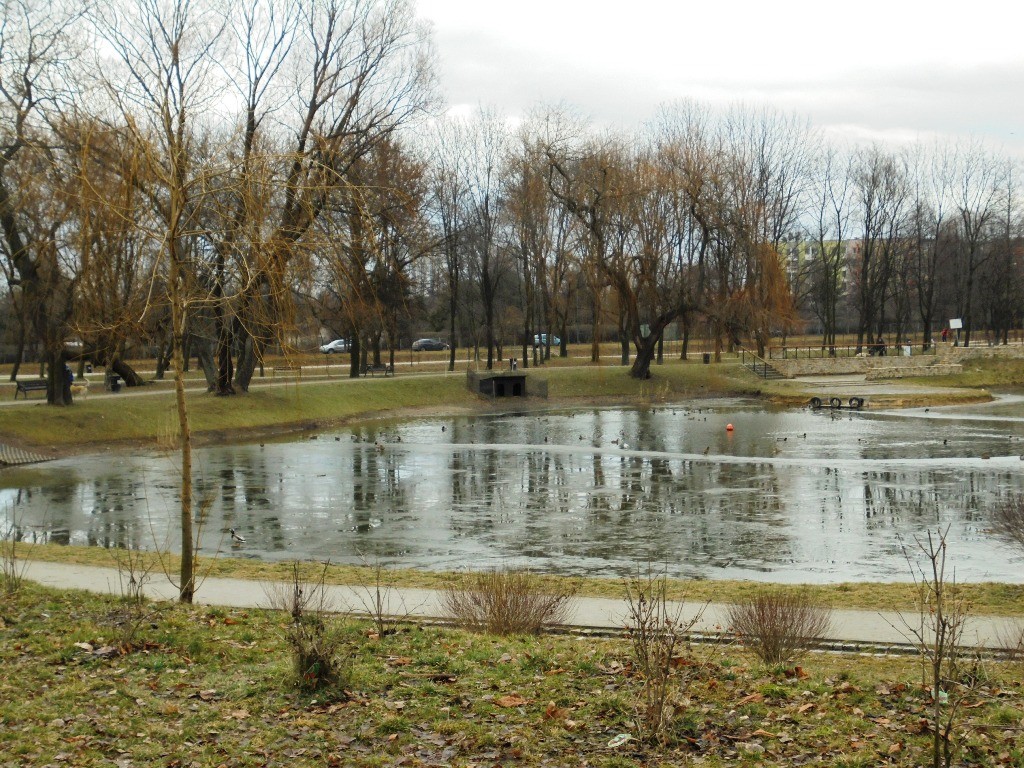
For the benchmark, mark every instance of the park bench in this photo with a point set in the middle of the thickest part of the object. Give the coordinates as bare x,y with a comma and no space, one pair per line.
372,370
33,385
293,369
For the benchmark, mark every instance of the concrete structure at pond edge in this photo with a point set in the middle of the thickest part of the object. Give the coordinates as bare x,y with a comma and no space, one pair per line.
512,383
944,360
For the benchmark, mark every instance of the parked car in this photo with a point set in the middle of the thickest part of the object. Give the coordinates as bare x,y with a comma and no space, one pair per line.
338,345
541,340
428,345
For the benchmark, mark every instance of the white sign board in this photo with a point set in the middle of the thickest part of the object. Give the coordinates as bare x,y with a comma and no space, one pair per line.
956,324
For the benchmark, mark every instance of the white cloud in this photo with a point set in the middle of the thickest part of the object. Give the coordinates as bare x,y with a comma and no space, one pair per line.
878,68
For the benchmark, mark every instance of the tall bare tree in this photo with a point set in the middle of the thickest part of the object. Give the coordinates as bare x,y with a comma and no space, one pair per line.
37,47
167,50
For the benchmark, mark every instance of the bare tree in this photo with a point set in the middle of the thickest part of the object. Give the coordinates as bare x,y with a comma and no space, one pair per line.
447,183
976,197
364,70
882,195
167,49
830,231
37,45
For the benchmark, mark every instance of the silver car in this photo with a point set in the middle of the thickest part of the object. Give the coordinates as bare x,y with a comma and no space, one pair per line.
338,345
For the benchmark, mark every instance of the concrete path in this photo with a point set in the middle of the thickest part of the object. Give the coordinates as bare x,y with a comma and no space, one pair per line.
852,629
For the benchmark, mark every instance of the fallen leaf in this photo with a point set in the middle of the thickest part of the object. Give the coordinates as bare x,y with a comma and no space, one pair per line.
238,714
399,661
753,698
805,707
511,700
763,733
554,712
895,748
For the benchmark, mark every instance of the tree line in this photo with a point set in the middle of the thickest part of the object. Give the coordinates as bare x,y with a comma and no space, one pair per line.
212,182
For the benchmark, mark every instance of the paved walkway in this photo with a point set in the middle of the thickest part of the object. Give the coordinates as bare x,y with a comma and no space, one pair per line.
849,628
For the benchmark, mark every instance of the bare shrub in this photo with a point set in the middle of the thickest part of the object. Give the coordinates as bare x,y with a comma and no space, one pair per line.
130,617
950,675
313,632
380,600
507,601
780,624
1011,640
12,566
658,633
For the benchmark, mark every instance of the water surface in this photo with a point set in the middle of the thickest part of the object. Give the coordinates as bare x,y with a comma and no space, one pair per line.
787,495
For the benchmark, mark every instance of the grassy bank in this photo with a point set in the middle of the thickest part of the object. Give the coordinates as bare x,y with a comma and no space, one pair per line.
144,416
201,686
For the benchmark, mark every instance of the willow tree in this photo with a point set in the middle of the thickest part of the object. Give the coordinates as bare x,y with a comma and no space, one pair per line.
352,74
37,47
164,86
105,207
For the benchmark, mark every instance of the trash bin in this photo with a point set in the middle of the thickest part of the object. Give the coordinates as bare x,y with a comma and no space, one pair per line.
707,358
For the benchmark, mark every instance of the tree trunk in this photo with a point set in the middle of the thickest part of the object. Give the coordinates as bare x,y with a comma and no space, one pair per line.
186,586
246,362
57,392
128,374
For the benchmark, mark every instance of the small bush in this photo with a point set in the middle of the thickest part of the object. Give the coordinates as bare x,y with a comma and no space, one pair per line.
12,566
315,641
506,602
658,633
779,625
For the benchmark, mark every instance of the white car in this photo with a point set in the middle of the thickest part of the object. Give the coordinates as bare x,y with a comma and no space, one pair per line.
338,345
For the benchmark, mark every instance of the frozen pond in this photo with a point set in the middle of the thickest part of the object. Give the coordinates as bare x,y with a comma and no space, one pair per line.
789,495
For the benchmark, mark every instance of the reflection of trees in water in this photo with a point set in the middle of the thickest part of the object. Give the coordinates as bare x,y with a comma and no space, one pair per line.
631,509
377,488
915,499
233,490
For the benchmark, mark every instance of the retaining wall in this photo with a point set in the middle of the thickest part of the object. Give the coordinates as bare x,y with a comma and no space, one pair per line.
886,367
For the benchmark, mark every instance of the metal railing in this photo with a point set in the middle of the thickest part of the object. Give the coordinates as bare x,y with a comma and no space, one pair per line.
847,350
758,365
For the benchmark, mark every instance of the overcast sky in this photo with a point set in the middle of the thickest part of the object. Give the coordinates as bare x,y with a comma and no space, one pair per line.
895,70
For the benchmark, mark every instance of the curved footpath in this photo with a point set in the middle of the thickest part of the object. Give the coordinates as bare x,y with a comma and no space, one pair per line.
851,630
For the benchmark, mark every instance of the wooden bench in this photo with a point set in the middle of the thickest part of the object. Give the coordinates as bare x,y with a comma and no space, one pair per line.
33,385
288,368
372,370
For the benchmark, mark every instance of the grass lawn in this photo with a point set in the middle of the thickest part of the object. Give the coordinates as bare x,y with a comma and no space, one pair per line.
215,687
140,416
